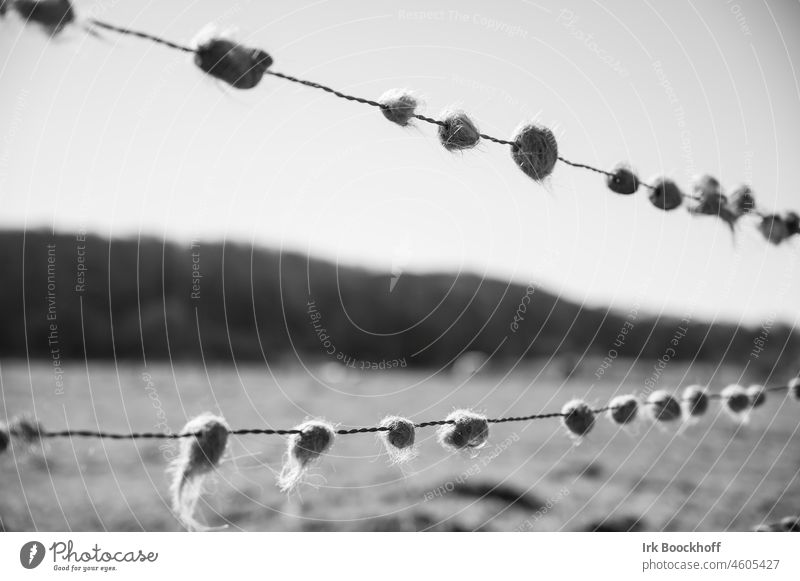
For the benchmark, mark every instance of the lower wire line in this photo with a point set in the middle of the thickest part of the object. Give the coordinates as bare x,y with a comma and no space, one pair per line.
341,432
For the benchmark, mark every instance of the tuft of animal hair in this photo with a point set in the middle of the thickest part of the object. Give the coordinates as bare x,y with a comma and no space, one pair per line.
623,180
240,66
794,388
398,106
535,151
52,15
5,437
736,401
774,229
742,200
314,439
695,401
26,429
663,407
757,395
398,439
790,524
468,431
457,131
199,455
712,202
577,417
623,409
666,195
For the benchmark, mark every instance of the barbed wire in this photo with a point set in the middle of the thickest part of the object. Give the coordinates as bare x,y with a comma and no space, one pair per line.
533,148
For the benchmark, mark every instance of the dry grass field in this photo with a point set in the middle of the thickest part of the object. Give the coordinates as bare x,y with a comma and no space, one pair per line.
713,475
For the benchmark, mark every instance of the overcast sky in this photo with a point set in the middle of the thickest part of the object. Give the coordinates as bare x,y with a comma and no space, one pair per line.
124,137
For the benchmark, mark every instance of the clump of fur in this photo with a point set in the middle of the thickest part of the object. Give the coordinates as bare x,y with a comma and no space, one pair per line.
314,439
623,180
712,202
5,437
757,395
664,407
398,106
774,229
666,195
467,431
695,401
399,439
240,66
458,132
26,429
577,417
736,401
199,455
535,151
623,409
52,15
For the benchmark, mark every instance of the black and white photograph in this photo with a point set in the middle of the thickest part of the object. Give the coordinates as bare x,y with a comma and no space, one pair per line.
460,267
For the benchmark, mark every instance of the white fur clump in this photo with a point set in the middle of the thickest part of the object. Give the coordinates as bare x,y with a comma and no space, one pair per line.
694,401
398,106
623,409
458,131
577,417
221,57
26,429
314,439
794,389
199,455
757,395
736,401
52,15
467,431
5,438
535,151
399,439
663,407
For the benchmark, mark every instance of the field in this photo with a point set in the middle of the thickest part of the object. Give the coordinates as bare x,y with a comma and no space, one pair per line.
713,475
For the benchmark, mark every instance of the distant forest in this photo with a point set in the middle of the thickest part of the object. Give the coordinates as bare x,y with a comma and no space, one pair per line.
72,296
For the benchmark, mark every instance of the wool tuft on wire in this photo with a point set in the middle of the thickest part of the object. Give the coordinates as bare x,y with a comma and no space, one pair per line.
663,407
240,66
578,417
623,409
52,15
398,439
5,437
26,429
398,106
199,455
458,132
315,438
666,195
465,430
622,180
794,388
757,395
535,151
712,202
736,402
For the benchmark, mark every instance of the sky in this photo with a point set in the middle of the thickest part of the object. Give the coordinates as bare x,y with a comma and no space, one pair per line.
122,137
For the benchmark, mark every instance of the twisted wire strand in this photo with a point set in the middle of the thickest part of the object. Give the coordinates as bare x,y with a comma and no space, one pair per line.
342,432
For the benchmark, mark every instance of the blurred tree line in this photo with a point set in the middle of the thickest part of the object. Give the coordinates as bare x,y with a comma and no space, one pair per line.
80,296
